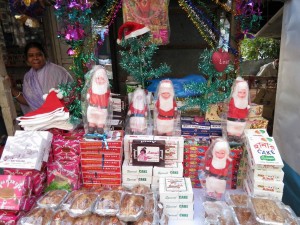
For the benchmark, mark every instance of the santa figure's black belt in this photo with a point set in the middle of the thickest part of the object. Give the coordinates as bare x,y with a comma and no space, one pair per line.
236,119
216,176
165,117
97,106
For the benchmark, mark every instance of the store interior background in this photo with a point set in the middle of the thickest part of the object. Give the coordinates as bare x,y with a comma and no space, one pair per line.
181,54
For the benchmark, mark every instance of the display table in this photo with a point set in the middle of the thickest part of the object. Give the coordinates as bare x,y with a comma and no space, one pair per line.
198,209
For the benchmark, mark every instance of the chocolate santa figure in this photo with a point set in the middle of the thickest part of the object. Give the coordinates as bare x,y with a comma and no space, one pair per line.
166,108
138,112
217,163
98,96
238,109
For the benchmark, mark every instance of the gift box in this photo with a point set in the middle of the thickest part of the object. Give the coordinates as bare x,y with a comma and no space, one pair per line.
46,135
172,169
129,169
66,148
136,179
64,174
173,147
257,123
215,112
175,189
24,152
8,218
15,192
263,153
255,110
94,174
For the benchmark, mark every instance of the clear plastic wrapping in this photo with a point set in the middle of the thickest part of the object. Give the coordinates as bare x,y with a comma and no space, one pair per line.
83,204
141,189
218,213
132,207
62,217
92,219
267,211
244,216
138,116
67,203
239,200
37,216
52,199
112,220
108,203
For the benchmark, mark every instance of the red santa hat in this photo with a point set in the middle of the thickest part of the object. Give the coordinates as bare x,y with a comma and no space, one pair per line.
166,86
130,30
51,104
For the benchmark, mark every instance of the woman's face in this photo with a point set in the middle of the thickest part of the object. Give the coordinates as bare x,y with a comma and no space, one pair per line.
36,58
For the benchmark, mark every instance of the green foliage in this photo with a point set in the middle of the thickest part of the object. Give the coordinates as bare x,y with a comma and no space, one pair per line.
215,90
137,59
260,48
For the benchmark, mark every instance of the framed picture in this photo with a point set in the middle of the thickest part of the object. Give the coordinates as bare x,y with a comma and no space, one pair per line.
147,152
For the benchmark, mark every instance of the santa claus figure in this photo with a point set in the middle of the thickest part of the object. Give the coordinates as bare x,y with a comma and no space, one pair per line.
98,96
166,109
138,112
216,168
238,109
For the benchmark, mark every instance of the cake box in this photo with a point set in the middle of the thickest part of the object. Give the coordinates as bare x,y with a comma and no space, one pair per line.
175,189
263,153
14,192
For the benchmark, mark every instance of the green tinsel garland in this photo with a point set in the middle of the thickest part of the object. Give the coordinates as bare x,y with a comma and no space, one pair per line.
137,60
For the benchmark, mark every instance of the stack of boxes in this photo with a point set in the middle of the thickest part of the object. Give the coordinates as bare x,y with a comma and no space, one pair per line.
149,174
176,194
194,157
101,161
24,166
264,173
64,160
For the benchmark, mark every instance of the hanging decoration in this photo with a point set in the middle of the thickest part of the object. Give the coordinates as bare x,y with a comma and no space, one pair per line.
220,59
75,19
213,91
153,14
28,12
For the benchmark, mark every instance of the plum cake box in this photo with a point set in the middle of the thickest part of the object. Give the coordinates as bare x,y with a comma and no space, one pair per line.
263,153
24,152
15,192
175,189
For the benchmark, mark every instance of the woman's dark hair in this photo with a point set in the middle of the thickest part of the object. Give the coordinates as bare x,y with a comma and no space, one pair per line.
34,45
143,150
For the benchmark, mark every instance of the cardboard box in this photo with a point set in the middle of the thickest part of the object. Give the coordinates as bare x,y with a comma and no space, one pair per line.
263,153
198,150
114,140
23,152
129,169
100,169
92,174
100,163
255,110
172,170
257,123
15,192
44,134
266,175
178,207
174,147
181,215
175,189
271,186
103,156
256,132
215,112
128,142
131,185
136,179
104,181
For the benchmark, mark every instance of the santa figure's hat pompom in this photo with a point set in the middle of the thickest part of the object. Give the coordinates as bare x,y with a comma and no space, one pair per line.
130,30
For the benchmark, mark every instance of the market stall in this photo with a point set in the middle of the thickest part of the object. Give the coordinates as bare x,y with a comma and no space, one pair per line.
195,151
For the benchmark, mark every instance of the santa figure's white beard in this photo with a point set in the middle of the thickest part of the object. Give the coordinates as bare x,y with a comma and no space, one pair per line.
166,104
138,104
99,89
218,163
240,103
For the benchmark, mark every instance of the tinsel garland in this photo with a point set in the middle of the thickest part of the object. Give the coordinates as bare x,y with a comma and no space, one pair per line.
75,18
201,27
214,90
137,59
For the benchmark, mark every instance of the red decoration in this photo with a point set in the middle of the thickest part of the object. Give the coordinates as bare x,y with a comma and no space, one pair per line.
220,60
